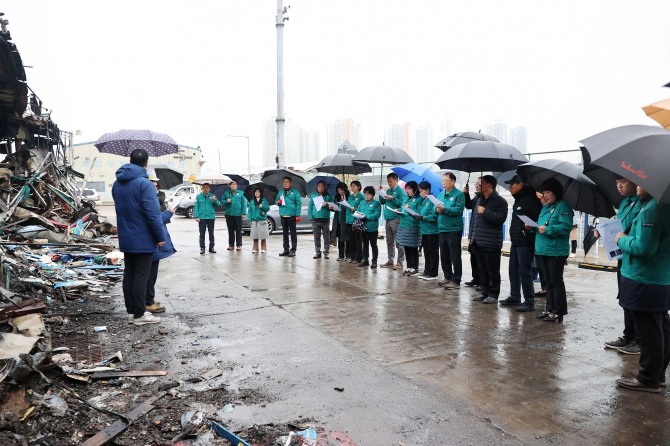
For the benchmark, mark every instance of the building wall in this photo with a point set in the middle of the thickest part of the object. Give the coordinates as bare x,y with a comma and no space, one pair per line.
99,169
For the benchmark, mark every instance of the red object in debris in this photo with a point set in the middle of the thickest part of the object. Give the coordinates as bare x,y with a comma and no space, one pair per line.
297,219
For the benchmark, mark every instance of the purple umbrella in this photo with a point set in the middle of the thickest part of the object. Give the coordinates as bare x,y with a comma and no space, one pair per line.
124,142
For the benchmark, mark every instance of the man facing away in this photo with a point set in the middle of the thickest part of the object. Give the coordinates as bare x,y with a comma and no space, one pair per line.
395,199
290,206
140,227
489,217
204,213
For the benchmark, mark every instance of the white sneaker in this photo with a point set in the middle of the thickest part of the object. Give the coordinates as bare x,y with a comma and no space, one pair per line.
572,255
147,318
262,251
131,318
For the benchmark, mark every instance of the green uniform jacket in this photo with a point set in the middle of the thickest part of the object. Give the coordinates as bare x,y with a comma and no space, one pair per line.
237,205
557,217
429,218
256,212
647,248
204,206
324,212
451,218
406,219
292,203
396,199
628,210
354,201
372,211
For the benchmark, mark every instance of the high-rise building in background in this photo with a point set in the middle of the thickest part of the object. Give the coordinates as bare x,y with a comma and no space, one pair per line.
446,129
399,137
498,130
343,130
269,143
423,145
518,137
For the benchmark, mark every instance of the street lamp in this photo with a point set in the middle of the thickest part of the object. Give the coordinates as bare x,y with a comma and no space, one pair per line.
248,157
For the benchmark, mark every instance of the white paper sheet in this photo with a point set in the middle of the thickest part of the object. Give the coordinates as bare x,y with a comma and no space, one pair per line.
527,220
318,202
382,193
283,200
434,200
608,231
346,204
177,202
333,206
359,214
397,211
412,213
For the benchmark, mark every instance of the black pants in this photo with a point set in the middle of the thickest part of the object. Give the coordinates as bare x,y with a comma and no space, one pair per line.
346,249
654,332
474,265
628,319
450,255
412,257
288,228
370,241
135,279
151,284
206,225
357,249
234,223
431,253
520,274
552,269
488,261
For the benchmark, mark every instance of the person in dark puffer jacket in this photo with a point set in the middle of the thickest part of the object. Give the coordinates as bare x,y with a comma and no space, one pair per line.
471,203
487,238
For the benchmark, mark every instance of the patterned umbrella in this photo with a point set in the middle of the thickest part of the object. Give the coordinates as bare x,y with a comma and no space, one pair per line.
123,142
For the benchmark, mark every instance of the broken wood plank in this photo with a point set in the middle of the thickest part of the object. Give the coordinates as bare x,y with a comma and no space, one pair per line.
130,373
118,427
27,307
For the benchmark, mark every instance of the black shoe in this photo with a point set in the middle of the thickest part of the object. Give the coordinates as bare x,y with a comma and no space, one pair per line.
373,264
480,298
471,283
478,287
325,255
525,307
317,255
364,263
509,301
202,250
291,254
212,250
283,254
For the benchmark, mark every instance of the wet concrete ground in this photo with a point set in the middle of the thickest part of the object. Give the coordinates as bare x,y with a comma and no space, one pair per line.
418,364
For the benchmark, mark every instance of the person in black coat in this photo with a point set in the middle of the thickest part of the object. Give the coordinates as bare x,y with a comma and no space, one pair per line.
487,238
471,203
523,245
341,230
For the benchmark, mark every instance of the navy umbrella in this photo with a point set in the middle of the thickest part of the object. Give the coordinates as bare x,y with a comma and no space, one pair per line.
579,191
124,142
638,153
461,138
331,184
275,177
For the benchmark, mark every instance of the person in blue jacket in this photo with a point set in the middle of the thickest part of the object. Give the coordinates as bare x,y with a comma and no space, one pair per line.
140,229
165,251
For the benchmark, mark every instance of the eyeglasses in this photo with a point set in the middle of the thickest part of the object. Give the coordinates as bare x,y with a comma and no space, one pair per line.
547,192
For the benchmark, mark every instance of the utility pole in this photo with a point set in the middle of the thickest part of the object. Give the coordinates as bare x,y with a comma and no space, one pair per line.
279,23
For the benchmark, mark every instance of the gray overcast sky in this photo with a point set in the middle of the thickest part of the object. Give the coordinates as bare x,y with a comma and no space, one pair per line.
202,69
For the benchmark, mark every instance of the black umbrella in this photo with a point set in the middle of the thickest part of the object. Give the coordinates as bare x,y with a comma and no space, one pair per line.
167,177
269,192
462,138
639,153
383,155
481,156
590,239
606,182
341,164
242,182
275,177
124,142
579,191
331,184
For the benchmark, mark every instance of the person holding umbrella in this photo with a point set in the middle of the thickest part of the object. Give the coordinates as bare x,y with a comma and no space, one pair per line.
318,212
430,234
644,290
290,205
552,247
235,205
394,198
341,230
450,225
409,232
371,210
522,250
204,213
258,211
488,219
471,203
354,200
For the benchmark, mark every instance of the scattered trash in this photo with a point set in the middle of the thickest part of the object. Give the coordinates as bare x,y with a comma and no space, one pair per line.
210,374
130,373
225,433
339,389
228,408
100,328
55,404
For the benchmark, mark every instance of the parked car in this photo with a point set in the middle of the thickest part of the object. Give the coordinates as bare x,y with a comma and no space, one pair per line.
187,191
90,196
274,221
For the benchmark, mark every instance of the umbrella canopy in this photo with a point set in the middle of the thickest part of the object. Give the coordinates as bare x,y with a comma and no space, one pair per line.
590,239
347,147
167,177
501,177
383,155
419,173
275,177
606,182
481,156
213,179
659,112
638,153
461,138
242,182
269,192
331,184
341,164
579,191
124,142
